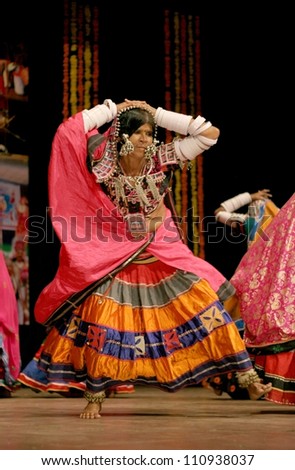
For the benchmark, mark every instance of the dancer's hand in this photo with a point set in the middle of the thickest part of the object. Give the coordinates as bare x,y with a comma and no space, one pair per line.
262,195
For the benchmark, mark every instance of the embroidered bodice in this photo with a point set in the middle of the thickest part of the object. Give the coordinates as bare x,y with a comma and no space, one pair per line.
137,194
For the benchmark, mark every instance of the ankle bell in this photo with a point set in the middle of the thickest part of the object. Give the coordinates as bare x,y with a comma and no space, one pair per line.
247,378
94,397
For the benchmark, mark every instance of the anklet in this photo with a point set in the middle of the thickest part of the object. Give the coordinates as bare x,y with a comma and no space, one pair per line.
247,378
94,397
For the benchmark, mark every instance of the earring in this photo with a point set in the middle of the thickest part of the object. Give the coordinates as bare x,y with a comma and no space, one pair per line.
127,147
151,149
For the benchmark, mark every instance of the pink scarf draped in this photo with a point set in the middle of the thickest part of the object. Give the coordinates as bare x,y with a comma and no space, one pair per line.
91,230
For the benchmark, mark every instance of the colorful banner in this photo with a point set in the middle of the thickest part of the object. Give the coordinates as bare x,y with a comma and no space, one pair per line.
183,94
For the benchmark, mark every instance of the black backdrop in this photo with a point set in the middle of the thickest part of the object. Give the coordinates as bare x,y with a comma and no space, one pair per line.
247,91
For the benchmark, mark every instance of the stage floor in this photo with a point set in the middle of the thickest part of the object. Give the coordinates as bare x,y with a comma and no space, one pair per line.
194,418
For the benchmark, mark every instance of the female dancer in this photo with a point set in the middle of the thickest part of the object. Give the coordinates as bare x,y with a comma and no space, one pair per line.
130,303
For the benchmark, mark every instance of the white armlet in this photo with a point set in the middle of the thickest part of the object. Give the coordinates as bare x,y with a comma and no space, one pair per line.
99,115
231,205
172,121
190,147
227,217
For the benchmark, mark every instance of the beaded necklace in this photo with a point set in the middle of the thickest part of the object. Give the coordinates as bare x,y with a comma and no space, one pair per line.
136,194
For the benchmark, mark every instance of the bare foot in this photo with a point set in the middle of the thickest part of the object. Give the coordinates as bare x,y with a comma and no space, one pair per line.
91,411
257,390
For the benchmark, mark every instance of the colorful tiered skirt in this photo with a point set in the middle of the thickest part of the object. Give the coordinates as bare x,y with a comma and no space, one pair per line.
151,325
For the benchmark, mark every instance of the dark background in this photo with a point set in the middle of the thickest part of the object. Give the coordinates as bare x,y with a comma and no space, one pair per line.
247,83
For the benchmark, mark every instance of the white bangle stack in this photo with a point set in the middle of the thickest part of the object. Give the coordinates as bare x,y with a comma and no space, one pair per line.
99,115
234,203
198,125
225,217
192,146
172,121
